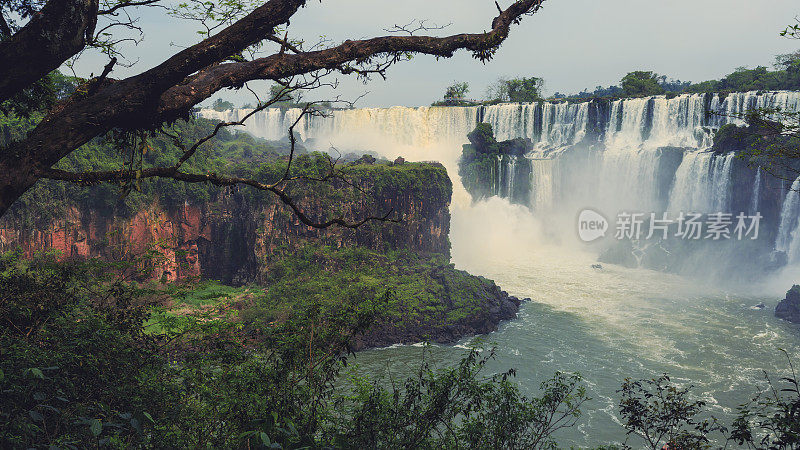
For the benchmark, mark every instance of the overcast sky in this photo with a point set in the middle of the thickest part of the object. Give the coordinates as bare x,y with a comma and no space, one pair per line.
572,44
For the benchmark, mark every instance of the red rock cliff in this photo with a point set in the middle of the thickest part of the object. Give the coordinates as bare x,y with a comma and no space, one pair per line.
234,237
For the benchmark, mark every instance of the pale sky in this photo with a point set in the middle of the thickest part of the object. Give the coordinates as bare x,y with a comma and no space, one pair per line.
572,44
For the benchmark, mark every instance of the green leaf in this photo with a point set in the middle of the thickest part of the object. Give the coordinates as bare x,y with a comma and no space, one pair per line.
96,427
265,439
148,417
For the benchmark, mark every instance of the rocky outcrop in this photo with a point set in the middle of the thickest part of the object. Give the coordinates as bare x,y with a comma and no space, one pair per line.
488,167
497,306
236,236
241,237
789,308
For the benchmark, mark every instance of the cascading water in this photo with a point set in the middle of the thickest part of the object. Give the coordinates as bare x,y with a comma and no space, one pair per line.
511,171
542,180
702,183
789,225
550,126
495,176
651,122
644,154
756,192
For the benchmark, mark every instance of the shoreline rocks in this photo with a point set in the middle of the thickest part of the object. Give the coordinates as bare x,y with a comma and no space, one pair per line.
789,308
499,307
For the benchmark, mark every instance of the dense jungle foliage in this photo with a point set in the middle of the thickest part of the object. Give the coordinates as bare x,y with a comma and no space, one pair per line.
85,364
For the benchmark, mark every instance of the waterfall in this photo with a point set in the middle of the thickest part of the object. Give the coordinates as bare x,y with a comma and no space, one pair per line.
652,122
510,173
542,183
789,223
756,192
645,154
702,184
548,125
721,183
495,177
501,176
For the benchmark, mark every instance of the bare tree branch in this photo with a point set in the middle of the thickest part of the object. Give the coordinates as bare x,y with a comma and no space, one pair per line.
277,188
217,180
113,9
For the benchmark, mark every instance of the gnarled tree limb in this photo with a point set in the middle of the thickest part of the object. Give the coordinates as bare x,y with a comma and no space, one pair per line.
56,33
169,90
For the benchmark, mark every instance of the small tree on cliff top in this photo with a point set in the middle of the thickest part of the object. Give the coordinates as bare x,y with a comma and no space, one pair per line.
456,91
516,90
222,105
642,83
37,37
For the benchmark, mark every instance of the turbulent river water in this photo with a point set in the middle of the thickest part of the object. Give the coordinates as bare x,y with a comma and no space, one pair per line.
609,323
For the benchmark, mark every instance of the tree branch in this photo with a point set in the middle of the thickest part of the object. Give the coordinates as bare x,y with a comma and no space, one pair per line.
248,31
203,84
277,188
169,90
59,31
113,9
215,179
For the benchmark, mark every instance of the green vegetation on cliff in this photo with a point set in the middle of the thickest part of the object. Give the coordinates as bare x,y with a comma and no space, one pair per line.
423,181
229,153
763,143
409,297
414,298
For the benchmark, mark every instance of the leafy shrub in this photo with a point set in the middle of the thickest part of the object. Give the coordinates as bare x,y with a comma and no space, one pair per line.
79,370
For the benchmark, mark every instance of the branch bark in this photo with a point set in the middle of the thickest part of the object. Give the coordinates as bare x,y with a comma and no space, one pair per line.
59,31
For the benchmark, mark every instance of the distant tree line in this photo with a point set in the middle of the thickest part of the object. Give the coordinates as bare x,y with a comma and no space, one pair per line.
639,83
504,90
785,76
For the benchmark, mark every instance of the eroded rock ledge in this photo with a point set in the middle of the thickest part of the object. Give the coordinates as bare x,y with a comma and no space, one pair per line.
237,238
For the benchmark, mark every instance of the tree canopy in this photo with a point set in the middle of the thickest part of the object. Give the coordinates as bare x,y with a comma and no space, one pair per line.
456,91
641,83
517,90
222,105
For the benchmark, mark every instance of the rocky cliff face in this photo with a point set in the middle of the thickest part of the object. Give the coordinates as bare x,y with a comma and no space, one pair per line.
789,308
234,237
